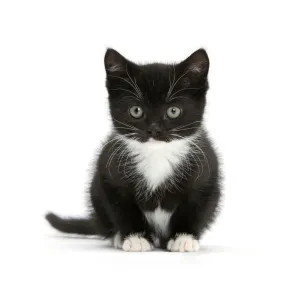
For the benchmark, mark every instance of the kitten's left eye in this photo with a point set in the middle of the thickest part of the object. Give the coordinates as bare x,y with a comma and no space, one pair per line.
173,112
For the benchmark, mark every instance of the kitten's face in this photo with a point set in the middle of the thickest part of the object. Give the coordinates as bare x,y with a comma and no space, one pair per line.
158,101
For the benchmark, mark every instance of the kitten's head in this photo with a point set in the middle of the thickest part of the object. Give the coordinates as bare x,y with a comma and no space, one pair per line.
159,101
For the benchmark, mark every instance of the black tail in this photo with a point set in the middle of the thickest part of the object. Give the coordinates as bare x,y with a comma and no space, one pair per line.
78,226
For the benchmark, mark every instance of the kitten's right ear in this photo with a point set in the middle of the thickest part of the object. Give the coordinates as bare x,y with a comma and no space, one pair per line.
114,62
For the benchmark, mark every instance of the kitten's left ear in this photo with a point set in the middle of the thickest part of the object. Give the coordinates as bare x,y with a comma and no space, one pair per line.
197,63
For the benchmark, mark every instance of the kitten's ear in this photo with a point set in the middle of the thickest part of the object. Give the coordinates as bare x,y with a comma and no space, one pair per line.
197,63
114,62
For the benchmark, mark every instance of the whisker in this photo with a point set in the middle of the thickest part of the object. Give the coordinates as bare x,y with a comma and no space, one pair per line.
112,156
115,151
131,97
125,128
176,83
184,90
117,137
182,129
136,87
109,159
196,159
121,157
202,152
125,164
171,84
126,91
182,126
127,125
178,97
205,157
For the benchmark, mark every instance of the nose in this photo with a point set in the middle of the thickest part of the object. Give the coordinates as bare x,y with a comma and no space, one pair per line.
154,130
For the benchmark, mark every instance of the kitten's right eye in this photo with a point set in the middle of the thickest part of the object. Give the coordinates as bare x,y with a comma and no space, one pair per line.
136,112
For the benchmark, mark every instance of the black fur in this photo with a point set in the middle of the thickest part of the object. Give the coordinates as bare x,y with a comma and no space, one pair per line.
71,225
118,193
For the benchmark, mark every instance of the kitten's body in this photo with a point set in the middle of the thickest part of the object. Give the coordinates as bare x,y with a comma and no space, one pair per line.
158,186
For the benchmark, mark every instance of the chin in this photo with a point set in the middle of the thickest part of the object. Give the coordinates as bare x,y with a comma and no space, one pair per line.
157,139
161,139
151,139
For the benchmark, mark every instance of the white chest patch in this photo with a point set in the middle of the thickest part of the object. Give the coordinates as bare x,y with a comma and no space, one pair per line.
159,219
156,160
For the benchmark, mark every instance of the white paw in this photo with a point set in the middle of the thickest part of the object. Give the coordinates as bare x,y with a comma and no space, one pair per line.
183,243
136,243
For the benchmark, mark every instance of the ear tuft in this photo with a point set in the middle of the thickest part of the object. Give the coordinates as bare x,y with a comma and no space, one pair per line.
198,62
114,61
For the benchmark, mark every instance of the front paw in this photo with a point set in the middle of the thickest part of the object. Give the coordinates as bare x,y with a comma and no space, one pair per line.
183,243
136,243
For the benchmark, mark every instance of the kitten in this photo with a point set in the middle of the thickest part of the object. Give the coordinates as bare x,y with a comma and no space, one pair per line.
156,182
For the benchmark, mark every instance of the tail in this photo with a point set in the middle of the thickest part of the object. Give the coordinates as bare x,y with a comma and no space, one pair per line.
69,225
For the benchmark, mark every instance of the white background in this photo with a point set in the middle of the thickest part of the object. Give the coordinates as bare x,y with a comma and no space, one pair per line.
53,116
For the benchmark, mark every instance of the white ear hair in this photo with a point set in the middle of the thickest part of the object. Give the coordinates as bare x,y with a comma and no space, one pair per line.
115,68
195,68
114,61
198,62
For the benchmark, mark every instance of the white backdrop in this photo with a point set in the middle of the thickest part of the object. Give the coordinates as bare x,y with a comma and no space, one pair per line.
54,114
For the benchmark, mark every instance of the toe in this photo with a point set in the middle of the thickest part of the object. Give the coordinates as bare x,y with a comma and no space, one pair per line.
146,246
126,245
188,246
183,243
136,243
177,244
170,245
195,245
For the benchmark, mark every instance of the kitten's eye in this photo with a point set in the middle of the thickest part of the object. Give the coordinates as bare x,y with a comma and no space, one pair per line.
136,112
173,112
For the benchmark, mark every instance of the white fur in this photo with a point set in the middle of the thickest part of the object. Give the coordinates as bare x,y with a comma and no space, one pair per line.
156,160
159,219
136,243
115,68
183,243
155,240
195,68
117,241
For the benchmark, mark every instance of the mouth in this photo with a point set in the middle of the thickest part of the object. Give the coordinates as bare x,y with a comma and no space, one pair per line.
144,138
167,138
158,138
152,139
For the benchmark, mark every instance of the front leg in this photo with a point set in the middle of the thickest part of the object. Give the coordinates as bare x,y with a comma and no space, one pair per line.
194,214
131,231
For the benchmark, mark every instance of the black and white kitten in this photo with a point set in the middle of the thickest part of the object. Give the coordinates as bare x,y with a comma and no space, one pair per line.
156,182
